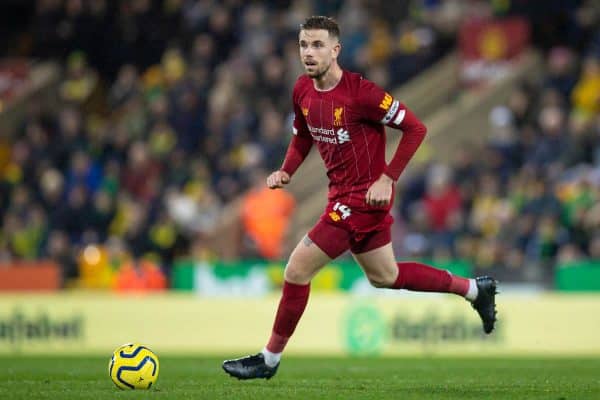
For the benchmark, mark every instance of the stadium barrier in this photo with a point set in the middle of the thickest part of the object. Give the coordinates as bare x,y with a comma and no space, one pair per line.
395,323
256,278
30,275
581,276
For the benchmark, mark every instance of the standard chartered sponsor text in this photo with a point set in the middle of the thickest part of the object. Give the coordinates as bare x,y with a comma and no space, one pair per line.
322,131
322,134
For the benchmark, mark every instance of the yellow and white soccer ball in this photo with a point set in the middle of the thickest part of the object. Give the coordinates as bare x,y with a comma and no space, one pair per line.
133,366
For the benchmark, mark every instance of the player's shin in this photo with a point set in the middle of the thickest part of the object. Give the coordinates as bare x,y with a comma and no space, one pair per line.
424,278
291,306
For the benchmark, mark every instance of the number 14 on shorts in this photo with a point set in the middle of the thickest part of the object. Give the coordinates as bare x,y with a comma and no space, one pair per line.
342,209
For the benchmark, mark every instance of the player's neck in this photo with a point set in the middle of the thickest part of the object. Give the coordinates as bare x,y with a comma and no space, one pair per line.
331,78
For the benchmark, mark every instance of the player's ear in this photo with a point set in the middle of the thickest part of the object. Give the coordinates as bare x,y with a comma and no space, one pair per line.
337,47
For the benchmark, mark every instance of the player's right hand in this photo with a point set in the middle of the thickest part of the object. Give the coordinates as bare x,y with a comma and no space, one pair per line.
277,179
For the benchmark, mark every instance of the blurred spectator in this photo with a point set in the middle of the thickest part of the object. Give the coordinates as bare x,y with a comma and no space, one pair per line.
79,82
442,198
586,95
125,87
490,212
265,217
59,250
561,74
82,171
141,173
141,276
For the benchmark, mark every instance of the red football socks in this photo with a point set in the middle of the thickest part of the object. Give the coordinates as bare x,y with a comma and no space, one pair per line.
423,278
291,306
411,276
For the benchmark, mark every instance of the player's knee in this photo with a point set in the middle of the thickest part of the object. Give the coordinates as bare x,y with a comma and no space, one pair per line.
379,281
294,274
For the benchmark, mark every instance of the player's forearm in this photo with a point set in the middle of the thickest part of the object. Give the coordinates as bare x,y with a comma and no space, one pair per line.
296,153
414,132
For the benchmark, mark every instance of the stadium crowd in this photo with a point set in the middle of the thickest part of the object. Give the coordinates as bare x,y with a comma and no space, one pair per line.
527,201
165,111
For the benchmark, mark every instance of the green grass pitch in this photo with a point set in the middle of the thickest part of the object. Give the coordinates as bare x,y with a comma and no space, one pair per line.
313,378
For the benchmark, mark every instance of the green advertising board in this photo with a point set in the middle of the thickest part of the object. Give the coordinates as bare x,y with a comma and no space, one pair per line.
581,276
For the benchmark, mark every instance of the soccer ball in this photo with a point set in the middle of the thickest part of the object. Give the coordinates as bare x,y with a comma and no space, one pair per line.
133,366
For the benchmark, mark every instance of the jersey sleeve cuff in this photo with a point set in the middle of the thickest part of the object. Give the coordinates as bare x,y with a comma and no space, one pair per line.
390,175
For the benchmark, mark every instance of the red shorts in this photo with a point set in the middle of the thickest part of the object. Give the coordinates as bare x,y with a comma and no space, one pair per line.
358,230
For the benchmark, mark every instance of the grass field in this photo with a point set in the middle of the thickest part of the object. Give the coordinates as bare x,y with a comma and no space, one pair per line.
313,378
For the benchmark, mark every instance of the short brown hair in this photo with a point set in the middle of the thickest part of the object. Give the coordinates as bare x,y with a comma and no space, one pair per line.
322,22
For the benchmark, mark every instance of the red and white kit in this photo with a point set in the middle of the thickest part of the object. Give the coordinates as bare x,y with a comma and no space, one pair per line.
347,124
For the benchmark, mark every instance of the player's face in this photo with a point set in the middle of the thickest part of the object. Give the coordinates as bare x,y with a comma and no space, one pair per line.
317,51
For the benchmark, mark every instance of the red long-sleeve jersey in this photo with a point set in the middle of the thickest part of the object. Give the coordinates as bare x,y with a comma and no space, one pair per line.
347,124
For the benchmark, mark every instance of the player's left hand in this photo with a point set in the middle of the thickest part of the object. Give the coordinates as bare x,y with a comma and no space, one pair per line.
380,192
